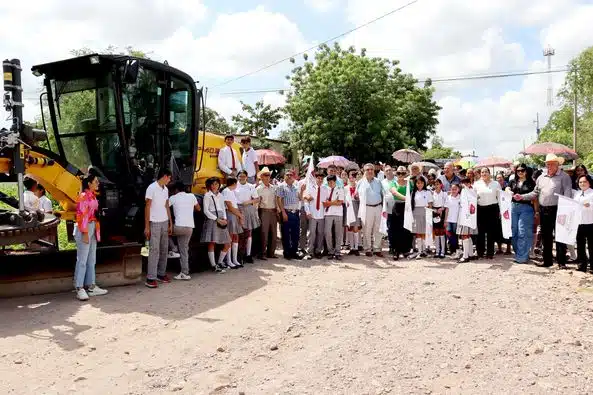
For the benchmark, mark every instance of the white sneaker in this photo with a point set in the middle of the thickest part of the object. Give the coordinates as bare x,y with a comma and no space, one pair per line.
173,255
182,276
97,291
82,295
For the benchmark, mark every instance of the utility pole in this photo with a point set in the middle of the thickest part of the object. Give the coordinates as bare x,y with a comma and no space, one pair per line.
537,131
548,53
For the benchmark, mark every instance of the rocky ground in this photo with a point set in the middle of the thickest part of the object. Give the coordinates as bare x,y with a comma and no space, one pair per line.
361,326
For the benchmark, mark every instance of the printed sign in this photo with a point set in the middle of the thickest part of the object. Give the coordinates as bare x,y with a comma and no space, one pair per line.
467,212
505,203
568,219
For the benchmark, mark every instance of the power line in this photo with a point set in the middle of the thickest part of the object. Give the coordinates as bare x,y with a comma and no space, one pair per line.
316,46
443,79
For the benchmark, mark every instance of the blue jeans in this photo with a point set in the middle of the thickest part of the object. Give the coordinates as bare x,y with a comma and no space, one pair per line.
290,234
86,257
522,216
452,235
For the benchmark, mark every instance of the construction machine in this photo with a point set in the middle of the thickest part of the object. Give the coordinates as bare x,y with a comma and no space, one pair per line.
118,116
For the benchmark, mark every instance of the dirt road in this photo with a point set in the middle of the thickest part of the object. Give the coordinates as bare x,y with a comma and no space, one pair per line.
362,326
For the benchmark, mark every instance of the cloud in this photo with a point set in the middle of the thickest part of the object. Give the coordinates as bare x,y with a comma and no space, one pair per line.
237,43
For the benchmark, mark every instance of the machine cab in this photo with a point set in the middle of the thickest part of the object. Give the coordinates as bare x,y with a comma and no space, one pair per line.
123,117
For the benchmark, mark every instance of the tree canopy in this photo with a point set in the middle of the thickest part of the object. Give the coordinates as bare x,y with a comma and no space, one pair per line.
438,150
364,108
258,120
217,123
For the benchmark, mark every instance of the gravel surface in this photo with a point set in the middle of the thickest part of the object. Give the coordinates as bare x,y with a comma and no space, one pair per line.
360,326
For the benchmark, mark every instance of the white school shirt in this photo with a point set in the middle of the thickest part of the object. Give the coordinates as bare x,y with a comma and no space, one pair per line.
45,204
311,207
453,205
439,199
245,192
159,197
210,206
422,198
338,194
225,160
487,194
30,201
249,159
229,196
587,212
183,206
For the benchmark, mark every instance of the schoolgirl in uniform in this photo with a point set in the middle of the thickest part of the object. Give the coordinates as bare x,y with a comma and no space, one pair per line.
421,200
465,233
439,199
215,229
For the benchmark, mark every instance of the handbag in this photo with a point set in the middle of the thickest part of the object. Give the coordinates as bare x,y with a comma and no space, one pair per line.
221,226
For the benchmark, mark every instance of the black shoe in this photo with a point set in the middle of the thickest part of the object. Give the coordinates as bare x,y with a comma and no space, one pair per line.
298,257
317,256
463,260
396,257
248,259
351,252
356,253
330,257
562,267
288,257
262,258
543,264
337,257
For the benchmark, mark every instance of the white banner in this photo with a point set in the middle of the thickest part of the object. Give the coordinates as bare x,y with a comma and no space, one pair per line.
408,213
429,240
468,213
568,219
505,202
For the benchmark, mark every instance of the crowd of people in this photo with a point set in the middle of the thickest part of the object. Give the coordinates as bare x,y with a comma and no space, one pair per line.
332,211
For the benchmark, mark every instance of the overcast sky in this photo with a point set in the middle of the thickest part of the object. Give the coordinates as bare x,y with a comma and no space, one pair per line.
218,40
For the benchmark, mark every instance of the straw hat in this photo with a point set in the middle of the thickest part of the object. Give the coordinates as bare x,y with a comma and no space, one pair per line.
554,158
265,170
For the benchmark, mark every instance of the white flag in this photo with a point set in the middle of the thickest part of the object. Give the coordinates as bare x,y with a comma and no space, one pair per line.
505,202
429,240
408,213
568,220
468,213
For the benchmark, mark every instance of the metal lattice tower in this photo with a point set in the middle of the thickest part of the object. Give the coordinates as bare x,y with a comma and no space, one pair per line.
548,53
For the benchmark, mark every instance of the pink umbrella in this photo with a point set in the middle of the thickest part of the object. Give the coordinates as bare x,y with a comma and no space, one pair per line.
494,161
269,157
335,160
550,148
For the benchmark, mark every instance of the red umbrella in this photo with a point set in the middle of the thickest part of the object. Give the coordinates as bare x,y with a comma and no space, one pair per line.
494,161
269,157
550,148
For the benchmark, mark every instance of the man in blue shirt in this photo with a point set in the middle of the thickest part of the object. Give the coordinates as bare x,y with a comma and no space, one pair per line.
289,198
370,192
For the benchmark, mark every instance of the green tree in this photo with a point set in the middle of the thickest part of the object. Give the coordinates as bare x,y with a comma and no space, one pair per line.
365,108
217,123
258,120
438,150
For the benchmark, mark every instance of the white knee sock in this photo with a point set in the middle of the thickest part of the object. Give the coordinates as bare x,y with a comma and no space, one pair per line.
437,245
443,244
248,246
228,259
354,244
466,248
420,245
471,247
211,258
235,249
221,257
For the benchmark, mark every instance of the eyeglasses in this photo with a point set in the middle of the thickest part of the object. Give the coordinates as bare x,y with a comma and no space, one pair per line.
400,173
520,170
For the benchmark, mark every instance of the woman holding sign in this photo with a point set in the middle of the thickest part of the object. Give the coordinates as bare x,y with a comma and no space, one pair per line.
523,213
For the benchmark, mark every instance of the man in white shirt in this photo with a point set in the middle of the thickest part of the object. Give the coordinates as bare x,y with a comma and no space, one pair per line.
157,227
316,214
370,192
334,219
30,199
250,164
183,205
229,161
